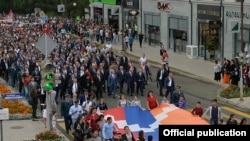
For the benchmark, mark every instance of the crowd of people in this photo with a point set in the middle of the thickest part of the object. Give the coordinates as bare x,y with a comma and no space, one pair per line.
87,71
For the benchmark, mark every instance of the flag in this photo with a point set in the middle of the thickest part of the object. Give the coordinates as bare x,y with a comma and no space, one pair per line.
10,14
47,29
165,114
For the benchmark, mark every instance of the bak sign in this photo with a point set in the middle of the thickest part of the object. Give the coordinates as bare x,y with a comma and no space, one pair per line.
163,6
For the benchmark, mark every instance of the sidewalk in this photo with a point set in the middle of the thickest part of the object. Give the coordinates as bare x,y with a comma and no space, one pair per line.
180,64
23,130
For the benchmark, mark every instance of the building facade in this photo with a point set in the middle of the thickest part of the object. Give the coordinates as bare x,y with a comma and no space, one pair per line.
168,22
109,12
212,25
232,36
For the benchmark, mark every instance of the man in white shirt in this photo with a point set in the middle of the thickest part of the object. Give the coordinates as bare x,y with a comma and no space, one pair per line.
75,111
86,105
143,59
109,45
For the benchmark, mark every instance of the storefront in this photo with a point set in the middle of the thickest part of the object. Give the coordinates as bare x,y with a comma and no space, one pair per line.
131,14
178,28
98,15
107,12
152,28
209,31
232,34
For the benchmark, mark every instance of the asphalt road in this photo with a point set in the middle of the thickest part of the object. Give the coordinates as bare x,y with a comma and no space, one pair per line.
194,90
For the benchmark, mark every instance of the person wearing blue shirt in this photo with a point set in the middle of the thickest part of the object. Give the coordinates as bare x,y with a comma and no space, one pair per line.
130,42
75,111
107,130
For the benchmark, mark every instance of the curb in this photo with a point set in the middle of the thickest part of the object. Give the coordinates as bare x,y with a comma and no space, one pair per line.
231,103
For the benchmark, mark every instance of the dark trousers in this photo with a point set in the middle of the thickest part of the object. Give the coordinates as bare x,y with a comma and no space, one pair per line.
97,38
98,92
34,108
139,86
67,122
160,82
121,83
140,41
130,88
130,45
20,87
169,92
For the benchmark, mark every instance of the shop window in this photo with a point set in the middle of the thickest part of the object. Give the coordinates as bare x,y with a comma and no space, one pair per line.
246,39
209,41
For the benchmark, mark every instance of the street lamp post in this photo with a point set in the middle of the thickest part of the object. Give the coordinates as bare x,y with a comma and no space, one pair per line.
241,59
122,12
242,55
74,6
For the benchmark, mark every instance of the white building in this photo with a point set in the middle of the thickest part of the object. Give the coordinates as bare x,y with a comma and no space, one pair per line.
212,25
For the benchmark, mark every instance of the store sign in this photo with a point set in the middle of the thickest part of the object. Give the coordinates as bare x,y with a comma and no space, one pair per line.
131,4
208,12
237,14
163,6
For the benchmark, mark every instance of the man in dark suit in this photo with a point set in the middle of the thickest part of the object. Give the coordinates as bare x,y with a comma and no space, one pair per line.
121,74
169,86
98,80
37,75
167,69
124,62
130,79
5,69
140,80
160,77
64,80
65,106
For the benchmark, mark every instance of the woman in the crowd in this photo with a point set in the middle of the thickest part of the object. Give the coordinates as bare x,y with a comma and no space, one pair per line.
79,128
136,101
141,136
128,135
34,97
100,122
152,101
243,121
122,102
91,118
226,72
102,105
217,71
232,120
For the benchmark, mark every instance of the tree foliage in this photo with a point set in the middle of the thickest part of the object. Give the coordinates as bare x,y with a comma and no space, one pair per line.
49,6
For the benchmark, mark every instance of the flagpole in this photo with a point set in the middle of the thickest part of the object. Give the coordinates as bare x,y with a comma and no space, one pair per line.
46,46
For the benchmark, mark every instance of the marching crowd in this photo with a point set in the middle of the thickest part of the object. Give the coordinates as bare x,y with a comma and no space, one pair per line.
87,71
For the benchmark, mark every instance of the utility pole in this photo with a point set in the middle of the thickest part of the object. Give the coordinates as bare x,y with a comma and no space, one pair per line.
242,24
242,49
141,14
122,12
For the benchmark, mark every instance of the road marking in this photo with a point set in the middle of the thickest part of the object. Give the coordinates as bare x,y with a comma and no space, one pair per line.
62,125
237,112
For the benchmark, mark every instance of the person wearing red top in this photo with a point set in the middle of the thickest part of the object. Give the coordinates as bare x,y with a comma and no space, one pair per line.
152,101
164,57
91,119
197,111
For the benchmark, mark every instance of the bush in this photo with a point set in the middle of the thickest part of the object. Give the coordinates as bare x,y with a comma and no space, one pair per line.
233,91
48,136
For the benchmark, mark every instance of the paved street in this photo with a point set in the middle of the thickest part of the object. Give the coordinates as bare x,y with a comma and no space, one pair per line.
194,90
